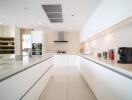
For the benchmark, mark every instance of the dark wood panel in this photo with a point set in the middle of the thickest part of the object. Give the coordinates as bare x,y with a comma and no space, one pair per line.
7,38
7,45
7,52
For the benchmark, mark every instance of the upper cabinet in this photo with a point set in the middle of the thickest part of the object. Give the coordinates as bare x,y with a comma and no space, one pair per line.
129,7
107,14
37,36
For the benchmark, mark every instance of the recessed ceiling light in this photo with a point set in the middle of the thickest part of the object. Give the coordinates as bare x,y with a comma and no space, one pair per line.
26,8
72,15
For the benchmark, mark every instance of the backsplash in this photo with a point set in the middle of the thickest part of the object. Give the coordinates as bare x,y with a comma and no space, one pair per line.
118,36
73,44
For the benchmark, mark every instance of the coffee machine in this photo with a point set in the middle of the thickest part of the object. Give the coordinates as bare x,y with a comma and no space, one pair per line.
125,55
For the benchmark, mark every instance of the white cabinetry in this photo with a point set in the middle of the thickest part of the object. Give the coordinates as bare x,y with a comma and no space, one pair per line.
105,83
37,36
26,82
107,14
66,60
35,92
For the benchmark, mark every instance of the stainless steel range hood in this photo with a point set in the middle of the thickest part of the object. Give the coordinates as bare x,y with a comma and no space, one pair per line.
61,37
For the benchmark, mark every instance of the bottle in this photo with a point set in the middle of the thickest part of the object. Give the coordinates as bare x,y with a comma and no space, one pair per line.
112,54
105,55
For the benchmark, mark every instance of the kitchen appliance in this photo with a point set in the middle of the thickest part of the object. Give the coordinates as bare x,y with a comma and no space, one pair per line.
111,54
105,54
125,55
59,51
61,37
99,55
36,48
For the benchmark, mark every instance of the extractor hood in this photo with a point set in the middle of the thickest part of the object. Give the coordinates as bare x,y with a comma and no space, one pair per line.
61,37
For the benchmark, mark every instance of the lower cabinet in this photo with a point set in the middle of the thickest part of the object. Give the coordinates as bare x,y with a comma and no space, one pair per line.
105,83
35,92
66,60
28,84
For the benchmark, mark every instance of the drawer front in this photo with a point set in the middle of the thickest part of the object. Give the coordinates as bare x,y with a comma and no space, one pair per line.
16,86
36,91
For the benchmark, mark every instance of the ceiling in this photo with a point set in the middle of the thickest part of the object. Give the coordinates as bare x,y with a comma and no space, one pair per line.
30,14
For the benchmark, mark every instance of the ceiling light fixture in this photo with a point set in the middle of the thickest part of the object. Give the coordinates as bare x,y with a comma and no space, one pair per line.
1,23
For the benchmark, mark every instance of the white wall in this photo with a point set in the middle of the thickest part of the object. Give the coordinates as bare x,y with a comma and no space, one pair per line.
7,31
17,41
73,44
107,14
118,36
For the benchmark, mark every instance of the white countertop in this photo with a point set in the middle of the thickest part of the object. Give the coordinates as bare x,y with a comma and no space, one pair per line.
124,69
65,53
11,66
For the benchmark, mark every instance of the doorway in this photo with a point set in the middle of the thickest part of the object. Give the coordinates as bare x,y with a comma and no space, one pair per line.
26,44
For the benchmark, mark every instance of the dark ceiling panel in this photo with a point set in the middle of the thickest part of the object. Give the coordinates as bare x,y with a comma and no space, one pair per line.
56,20
54,15
52,8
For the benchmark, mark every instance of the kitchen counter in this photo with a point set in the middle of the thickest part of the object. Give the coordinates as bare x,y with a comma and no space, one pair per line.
65,53
11,67
123,69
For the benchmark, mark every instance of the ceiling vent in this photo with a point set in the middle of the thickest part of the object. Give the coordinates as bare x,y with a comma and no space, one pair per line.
54,13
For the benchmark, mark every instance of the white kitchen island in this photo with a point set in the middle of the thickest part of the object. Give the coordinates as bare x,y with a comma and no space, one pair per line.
66,60
25,80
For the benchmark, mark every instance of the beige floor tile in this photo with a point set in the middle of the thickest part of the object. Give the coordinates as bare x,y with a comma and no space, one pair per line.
57,82
67,84
59,79
80,93
76,82
75,78
54,93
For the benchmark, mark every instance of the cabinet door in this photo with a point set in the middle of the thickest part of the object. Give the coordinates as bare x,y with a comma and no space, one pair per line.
36,91
106,84
60,60
66,60
16,86
73,60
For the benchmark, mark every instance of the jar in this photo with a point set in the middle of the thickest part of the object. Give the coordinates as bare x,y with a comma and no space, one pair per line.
99,55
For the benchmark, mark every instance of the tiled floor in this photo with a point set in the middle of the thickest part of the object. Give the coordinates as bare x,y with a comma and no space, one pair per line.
67,84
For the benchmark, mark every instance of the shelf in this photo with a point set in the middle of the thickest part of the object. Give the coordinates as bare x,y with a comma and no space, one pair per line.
7,38
6,41
7,45
7,49
7,52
